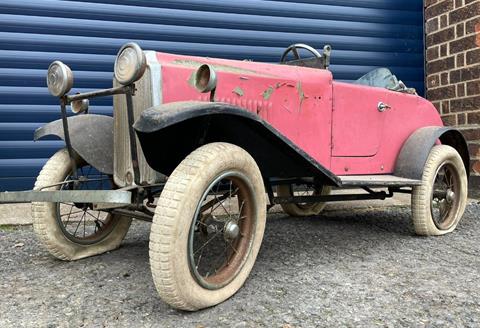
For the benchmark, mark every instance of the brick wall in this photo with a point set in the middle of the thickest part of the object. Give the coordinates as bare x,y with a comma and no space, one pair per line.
452,30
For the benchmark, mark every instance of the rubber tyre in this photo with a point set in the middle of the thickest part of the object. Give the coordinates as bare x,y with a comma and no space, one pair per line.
45,223
296,210
421,196
173,218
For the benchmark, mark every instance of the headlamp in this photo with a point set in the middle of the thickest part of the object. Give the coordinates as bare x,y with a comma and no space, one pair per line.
59,79
205,78
130,64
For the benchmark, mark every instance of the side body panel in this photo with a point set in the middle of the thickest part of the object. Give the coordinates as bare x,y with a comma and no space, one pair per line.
367,141
295,101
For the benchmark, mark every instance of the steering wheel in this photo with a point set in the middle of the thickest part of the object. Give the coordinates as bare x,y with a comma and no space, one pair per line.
294,49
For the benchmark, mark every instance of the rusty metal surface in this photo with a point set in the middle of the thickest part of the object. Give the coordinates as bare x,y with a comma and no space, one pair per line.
91,137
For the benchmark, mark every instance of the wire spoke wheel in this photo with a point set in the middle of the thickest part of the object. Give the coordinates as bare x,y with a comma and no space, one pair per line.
78,221
445,196
71,231
208,227
221,232
439,202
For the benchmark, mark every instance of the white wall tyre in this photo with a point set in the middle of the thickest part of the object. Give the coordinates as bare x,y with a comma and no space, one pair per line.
208,227
439,202
302,210
74,231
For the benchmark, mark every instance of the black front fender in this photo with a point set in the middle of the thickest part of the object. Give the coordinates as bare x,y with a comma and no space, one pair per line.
169,132
91,137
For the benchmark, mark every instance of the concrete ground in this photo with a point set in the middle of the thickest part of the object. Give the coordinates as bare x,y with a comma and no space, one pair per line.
356,265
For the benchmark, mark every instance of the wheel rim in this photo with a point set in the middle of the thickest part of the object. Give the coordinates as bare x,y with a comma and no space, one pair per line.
78,221
222,230
445,198
305,190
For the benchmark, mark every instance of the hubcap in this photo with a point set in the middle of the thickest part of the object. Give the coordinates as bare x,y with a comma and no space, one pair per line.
231,230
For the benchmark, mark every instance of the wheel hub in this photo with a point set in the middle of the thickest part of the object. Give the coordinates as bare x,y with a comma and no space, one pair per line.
450,197
231,230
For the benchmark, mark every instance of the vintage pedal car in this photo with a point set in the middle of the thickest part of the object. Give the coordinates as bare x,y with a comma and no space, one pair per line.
200,146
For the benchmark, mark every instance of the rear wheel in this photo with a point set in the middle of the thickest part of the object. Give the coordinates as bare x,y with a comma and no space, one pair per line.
439,202
208,227
72,231
300,209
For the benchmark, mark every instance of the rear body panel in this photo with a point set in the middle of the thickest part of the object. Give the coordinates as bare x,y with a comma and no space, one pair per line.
367,141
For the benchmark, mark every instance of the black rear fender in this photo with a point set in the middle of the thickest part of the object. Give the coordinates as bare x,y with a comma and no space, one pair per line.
415,150
169,132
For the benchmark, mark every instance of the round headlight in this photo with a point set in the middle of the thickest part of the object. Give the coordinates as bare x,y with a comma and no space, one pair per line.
205,78
59,78
130,64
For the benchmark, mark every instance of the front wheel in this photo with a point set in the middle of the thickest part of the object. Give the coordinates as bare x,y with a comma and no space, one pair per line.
71,231
439,202
208,227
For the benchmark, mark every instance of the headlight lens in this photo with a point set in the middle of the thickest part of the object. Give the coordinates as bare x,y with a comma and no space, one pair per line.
59,78
130,64
205,78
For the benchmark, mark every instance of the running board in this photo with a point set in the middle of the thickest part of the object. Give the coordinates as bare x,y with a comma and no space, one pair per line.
376,181
68,196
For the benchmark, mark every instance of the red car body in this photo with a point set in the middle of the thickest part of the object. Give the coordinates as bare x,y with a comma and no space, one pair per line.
338,124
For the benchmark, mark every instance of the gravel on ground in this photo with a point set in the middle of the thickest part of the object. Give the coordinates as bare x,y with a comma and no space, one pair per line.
362,268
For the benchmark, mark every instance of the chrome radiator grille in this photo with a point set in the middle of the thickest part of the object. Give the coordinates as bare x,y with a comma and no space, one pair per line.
145,97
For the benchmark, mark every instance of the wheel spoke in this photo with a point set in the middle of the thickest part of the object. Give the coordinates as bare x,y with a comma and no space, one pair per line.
78,225
208,241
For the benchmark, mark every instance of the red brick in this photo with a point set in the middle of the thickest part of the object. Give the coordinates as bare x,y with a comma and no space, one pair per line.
461,90
464,13
441,36
463,44
460,28
471,26
433,81
436,104
432,25
474,118
474,149
461,118
476,166
445,107
429,3
473,57
441,93
450,120
444,78
461,60
443,21
473,88
471,133
438,9
465,104
444,50
465,74
440,65
433,53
